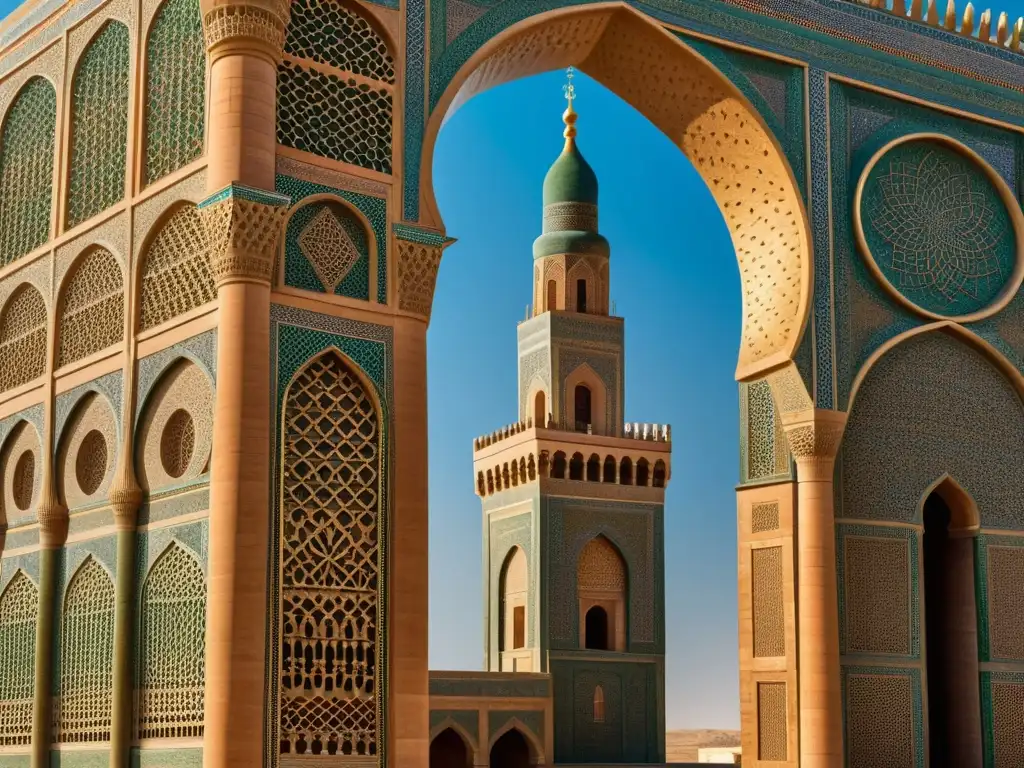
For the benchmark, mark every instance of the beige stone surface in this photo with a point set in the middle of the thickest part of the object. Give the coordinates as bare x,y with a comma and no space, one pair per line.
681,746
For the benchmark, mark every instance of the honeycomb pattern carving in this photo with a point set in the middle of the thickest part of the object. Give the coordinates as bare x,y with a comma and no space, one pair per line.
327,32
99,125
936,228
26,169
175,88
176,431
86,459
879,721
772,733
176,277
767,449
601,567
338,118
22,338
19,468
330,563
1006,602
92,316
417,276
767,599
86,657
1007,735
19,606
764,517
173,669
877,581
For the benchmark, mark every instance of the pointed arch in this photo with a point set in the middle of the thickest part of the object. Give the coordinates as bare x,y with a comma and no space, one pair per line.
533,742
600,409
23,321
582,270
331,658
99,124
513,589
172,633
20,467
19,609
91,306
358,127
26,169
175,96
442,755
175,275
86,656
601,584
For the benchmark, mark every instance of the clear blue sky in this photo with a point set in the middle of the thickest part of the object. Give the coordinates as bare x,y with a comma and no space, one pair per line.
674,279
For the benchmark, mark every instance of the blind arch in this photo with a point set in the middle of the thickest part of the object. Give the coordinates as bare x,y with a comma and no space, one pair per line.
92,307
19,607
22,337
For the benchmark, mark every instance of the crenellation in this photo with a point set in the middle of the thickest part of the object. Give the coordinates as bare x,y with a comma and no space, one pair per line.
928,13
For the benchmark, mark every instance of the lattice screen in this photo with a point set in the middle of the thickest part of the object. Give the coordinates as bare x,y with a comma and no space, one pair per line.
772,733
99,125
175,88
879,720
86,658
26,169
22,337
767,602
93,308
767,449
329,571
19,606
176,276
600,567
173,662
334,87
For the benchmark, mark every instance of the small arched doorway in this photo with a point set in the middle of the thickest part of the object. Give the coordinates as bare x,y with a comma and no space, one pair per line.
540,410
582,408
510,751
595,636
448,750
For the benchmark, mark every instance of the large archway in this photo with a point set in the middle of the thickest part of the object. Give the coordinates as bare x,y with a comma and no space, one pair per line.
511,750
710,121
448,750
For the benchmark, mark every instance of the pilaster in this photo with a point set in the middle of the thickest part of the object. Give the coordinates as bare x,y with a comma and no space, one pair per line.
53,531
814,436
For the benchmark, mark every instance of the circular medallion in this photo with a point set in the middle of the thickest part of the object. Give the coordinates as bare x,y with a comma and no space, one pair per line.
91,462
939,228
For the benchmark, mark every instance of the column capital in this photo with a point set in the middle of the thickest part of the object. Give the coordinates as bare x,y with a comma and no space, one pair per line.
246,26
419,258
125,498
814,436
243,228
53,519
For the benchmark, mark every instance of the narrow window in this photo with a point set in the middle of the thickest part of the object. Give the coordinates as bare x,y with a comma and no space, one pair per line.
581,295
643,472
599,704
558,466
582,408
552,295
519,627
540,410
594,469
596,637
576,467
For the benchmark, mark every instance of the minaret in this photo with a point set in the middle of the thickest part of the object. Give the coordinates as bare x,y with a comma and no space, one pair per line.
573,499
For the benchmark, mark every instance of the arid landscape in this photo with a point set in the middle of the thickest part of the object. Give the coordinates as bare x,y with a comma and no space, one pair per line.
682,746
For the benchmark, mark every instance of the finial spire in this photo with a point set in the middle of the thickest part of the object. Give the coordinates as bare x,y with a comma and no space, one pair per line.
569,116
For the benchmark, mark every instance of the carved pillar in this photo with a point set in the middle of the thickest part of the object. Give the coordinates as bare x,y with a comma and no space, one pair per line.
814,436
243,227
419,256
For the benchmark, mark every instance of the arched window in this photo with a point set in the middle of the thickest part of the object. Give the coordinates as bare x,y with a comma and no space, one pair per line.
581,400
514,593
330,540
92,307
318,111
490,482
598,704
507,479
626,471
581,295
601,591
596,629
558,466
498,478
643,471
609,469
175,88
173,637
540,410
552,295
19,606
544,465
522,470
99,125
576,467
22,337
176,274
26,169
659,474
531,468
87,657
481,487
594,468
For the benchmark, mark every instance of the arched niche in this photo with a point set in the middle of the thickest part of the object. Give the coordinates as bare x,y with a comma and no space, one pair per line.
514,616
602,583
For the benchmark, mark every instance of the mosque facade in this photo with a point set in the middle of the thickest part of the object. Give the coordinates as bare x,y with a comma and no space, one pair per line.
219,243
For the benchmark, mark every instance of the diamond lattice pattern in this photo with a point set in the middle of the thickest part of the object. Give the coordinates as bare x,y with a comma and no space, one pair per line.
329,249
18,608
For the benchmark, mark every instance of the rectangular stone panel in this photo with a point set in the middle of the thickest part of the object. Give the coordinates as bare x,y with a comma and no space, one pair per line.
880,721
764,517
771,721
767,598
876,575
1007,733
1006,602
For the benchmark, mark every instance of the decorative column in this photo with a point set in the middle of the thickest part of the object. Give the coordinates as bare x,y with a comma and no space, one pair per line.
814,436
408,698
53,531
244,40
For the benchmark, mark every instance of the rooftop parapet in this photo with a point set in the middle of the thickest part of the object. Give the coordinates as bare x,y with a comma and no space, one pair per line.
1003,34
658,433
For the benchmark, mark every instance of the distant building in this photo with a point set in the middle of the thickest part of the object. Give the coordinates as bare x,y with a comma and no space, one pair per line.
720,755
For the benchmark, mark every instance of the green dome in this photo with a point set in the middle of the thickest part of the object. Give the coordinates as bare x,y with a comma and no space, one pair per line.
570,179
570,241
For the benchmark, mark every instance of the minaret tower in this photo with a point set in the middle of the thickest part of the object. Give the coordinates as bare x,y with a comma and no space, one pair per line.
573,499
